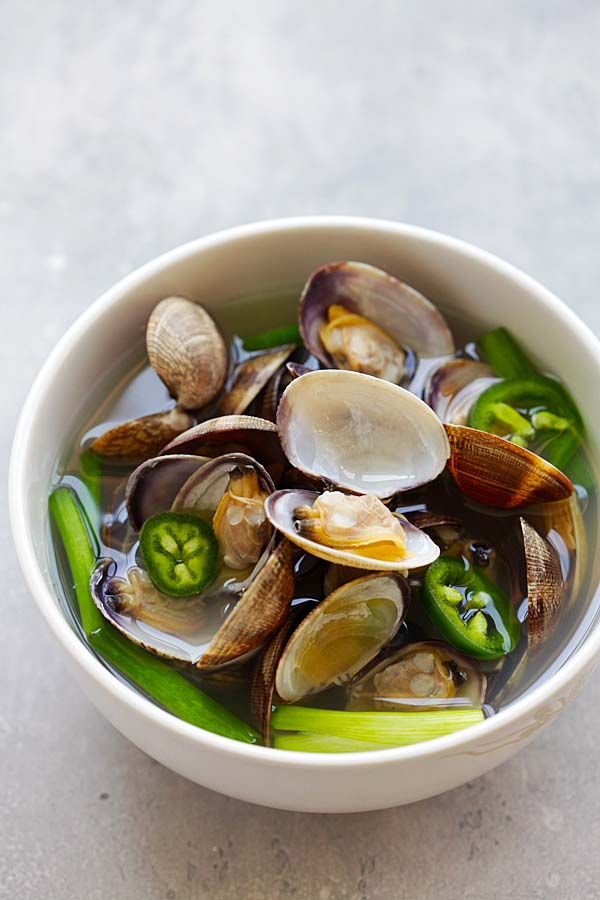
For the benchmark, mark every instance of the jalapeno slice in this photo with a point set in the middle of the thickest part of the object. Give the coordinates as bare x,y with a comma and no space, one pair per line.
470,610
535,412
180,553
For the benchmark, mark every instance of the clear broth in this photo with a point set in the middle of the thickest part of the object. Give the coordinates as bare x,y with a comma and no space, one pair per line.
131,389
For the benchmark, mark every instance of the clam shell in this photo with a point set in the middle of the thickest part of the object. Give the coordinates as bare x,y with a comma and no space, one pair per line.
262,688
472,692
454,385
496,472
545,585
231,434
280,507
360,432
205,486
348,608
144,437
261,610
153,486
187,352
405,314
249,379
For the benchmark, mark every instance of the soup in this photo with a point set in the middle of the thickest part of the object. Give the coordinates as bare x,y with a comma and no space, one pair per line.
362,532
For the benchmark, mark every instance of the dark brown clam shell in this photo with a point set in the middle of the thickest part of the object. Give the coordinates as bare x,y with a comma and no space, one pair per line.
231,434
153,486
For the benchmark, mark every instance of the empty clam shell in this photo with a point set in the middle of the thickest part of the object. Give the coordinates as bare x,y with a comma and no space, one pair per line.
400,311
231,434
187,352
496,472
144,437
360,433
281,508
545,585
341,635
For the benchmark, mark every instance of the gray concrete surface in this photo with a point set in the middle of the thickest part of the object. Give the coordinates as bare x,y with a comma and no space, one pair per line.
128,128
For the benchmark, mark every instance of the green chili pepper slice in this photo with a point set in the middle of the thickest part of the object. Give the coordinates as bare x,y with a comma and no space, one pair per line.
469,609
535,412
180,552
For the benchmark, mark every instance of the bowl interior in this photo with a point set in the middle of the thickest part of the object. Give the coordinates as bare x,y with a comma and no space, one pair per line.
465,283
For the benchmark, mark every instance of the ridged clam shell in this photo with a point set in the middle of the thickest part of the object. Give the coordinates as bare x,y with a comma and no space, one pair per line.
261,610
405,314
144,437
187,352
496,472
545,585
249,379
231,434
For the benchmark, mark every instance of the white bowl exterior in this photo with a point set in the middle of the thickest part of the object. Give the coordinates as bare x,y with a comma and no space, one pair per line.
463,281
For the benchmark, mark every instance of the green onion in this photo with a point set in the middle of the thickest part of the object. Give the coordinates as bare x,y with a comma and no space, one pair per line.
157,679
321,743
287,334
504,354
370,730
90,473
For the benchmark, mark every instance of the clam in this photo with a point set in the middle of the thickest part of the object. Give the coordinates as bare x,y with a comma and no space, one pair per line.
357,317
545,585
358,531
453,387
341,635
231,434
250,377
262,687
360,433
499,473
187,352
143,437
204,630
423,675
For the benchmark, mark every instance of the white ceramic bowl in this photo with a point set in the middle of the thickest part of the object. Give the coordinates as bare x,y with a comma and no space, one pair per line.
462,280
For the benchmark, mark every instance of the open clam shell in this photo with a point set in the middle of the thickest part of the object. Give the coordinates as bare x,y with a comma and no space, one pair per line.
433,675
187,351
281,508
231,434
496,472
142,438
403,313
361,433
453,387
204,630
341,635
545,585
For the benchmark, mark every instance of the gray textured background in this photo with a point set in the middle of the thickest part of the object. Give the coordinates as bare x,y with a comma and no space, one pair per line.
128,128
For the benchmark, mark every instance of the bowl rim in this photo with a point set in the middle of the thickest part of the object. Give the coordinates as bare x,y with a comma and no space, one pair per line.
507,720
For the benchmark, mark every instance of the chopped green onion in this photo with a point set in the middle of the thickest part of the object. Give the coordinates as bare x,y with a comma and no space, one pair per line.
504,354
375,729
155,678
287,334
321,743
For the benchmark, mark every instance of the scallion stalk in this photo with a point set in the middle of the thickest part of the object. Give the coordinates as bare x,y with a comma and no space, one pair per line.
287,334
504,354
364,730
156,679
